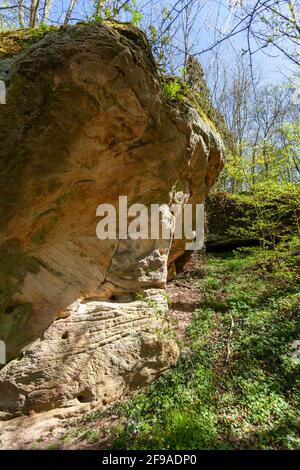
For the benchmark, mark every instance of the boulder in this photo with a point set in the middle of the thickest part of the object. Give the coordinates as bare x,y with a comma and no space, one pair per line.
86,121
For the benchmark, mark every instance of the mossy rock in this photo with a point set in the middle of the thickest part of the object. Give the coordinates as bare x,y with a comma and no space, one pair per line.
223,213
14,42
13,326
178,93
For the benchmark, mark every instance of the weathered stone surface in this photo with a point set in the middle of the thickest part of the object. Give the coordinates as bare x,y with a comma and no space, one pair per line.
85,122
99,352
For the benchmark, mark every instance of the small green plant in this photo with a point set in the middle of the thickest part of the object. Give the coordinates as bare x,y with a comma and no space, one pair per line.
273,214
171,88
53,446
167,321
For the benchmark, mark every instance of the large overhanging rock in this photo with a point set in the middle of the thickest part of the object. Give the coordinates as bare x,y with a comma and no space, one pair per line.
86,122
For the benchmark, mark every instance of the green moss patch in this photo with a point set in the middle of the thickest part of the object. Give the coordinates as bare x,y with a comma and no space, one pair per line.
17,41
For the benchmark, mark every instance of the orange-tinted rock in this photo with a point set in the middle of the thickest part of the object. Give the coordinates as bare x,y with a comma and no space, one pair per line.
85,122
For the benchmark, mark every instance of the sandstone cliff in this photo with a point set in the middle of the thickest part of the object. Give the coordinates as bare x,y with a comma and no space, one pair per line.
85,122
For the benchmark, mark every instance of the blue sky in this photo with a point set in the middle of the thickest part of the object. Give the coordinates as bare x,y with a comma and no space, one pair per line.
213,15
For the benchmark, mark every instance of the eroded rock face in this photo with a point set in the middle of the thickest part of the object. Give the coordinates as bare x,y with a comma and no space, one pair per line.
98,353
86,122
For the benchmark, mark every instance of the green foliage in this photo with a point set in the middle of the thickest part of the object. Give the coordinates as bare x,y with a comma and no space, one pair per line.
105,10
36,34
273,213
15,42
268,162
153,33
249,401
171,88
53,446
40,236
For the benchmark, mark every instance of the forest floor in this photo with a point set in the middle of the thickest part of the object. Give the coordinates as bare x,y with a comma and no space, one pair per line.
237,383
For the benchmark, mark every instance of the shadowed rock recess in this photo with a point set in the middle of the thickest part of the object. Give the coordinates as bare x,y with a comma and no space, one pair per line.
85,122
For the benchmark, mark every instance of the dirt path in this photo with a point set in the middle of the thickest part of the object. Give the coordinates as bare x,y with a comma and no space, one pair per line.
186,295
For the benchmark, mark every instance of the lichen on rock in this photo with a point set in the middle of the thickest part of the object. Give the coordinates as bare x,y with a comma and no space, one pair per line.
85,122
